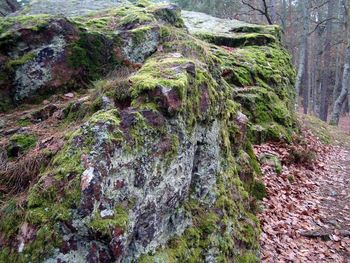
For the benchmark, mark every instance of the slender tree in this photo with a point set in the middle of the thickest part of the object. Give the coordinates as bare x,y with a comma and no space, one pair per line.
346,73
327,73
303,45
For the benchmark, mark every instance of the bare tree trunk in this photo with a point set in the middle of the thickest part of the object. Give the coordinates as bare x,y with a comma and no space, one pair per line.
284,16
337,108
340,30
344,91
303,45
273,11
309,99
318,71
337,85
306,80
326,80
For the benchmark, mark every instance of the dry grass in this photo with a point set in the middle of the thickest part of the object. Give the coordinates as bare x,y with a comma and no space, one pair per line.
17,176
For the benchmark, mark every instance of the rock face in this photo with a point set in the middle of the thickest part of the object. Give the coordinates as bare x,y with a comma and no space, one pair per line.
231,33
163,170
69,8
8,6
43,54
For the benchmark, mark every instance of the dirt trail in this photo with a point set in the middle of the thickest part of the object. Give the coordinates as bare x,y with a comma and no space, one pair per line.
306,215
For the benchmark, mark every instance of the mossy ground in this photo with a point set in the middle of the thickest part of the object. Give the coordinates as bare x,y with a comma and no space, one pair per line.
46,205
262,77
33,22
319,128
20,144
106,226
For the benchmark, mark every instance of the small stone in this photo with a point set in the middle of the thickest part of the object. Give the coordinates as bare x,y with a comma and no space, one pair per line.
169,99
44,113
86,178
107,103
176,55
107,214
69,95
2,123
45,102
12,131
334,193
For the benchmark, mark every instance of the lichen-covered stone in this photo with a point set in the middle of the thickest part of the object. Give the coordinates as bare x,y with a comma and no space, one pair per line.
45,54
231,33
164,170
8,7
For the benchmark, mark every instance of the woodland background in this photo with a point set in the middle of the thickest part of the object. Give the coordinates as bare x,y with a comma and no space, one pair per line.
316,32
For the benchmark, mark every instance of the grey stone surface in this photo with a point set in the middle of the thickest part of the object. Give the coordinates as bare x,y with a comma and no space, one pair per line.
198,23
34,74
8,6
69,8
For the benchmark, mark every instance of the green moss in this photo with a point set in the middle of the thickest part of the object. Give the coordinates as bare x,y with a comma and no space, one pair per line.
259,190
68,161
53,204
212,84
269,115
25,142
213,227
266,66
160,72
93,53
46,239
51,200
270,132
94,24
10,219
237,40
252,158
134,15
110,116
6,255
139,34
273,161
50,204
12,64
76,111
318,128
165,15
105,226
24,122
174,149
32,22
5,104
165,32
248,258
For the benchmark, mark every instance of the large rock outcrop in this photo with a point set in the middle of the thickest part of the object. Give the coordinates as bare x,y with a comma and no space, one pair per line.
163,170
8,7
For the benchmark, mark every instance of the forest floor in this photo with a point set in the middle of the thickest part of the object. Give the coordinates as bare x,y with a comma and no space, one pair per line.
306,214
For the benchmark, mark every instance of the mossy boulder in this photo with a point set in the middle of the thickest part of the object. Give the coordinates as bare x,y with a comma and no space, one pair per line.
230,33
44,54
20,143
166,172
8,7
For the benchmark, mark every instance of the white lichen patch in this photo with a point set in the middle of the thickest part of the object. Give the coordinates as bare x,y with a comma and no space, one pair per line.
35,73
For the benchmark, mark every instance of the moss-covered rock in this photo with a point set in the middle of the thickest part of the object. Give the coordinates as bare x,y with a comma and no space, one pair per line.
20,143
61,54
166,171
230,33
